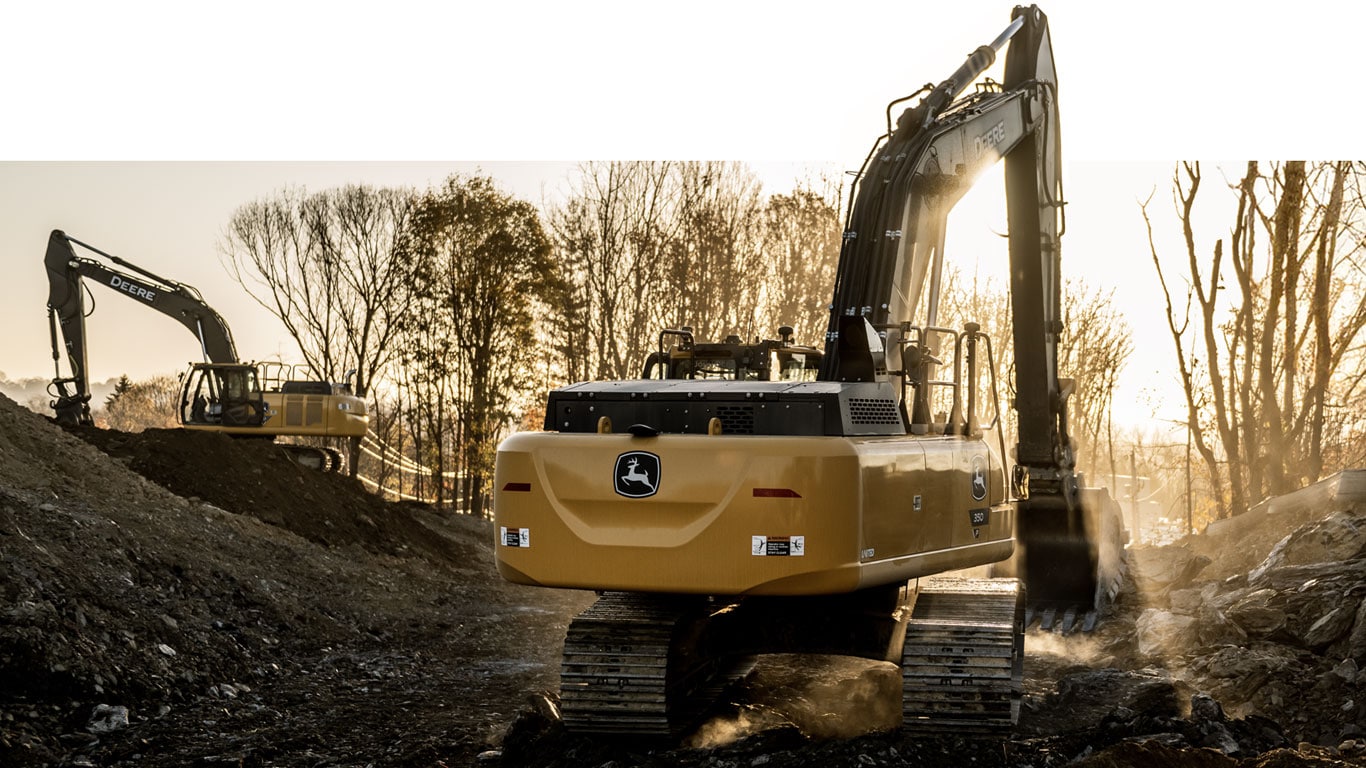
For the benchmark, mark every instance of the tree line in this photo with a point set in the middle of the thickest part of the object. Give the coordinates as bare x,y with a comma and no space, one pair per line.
454,309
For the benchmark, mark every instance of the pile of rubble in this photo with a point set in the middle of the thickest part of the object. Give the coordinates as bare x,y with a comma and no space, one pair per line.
1278,633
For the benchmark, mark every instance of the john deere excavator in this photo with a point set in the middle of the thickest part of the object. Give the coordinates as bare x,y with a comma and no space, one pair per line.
722,519
221,394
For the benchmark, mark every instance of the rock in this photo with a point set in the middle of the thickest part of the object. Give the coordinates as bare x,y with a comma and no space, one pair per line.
1216,736
1204,709
1216,628
489,757
1258,613
1337,538
1158,568
105,718
165,649
1330,626
1162,632
1356,643
78,740
1347,670
1192,601
1238,673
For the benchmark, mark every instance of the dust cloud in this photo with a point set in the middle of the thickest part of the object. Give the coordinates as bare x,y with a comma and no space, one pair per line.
823,697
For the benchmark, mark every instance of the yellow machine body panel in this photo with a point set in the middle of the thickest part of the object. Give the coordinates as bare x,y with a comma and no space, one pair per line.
299,415
303,416
229,398
745,515
315,415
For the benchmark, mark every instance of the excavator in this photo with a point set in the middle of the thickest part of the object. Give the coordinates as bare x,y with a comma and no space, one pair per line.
221,394
863,513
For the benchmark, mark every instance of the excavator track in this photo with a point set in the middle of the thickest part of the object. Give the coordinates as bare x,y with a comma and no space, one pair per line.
643,666
962,663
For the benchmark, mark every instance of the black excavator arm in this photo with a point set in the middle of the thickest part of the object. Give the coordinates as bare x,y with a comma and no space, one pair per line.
66,273
892,257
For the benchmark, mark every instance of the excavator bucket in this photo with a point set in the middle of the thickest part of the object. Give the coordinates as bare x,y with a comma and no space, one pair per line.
1071,559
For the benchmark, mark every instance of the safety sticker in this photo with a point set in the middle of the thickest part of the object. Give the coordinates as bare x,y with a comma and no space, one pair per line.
515,537
778,546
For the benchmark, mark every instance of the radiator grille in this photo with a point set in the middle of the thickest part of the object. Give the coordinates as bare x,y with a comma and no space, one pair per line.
873,411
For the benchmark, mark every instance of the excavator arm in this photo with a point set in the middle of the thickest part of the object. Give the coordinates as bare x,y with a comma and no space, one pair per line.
67,311
891,261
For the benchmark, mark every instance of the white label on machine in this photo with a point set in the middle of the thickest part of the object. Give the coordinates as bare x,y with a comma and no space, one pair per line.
778,546
515,537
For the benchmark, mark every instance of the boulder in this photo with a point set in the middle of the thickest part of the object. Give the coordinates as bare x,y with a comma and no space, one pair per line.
1161,633
1337,538
1356,644
1155,569
1192,600
1259,613
1331,626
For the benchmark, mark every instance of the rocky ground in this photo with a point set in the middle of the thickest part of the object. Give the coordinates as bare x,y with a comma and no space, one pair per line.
172,599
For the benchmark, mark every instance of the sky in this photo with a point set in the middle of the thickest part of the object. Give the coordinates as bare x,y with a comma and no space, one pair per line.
139,127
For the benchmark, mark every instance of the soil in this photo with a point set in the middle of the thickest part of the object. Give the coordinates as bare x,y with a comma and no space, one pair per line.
170,598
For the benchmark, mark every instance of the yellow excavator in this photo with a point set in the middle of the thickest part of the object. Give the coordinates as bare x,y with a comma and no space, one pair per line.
221,394
721,519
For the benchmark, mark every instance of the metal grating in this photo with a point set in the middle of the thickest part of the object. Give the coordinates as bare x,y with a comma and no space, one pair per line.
864,410
736,419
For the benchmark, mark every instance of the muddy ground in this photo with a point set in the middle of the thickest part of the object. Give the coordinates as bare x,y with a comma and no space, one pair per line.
176,599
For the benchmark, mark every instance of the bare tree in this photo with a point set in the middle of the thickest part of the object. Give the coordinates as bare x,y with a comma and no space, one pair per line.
1262,363
326,265
801,242
714,274
612,237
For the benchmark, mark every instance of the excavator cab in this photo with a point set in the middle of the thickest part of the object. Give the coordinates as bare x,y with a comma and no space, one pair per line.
227,395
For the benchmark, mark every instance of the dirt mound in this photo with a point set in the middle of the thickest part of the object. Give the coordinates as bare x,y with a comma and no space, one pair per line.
256,477
256,622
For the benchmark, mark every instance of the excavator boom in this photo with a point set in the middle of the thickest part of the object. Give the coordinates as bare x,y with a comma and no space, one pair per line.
67,312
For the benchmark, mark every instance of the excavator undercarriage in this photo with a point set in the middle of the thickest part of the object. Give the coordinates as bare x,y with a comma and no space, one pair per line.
651,666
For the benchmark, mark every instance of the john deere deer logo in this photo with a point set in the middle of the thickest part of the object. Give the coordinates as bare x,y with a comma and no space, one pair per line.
979,478
637,474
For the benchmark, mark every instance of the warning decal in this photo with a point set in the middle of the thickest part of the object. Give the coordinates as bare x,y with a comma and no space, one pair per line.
515,537
778,546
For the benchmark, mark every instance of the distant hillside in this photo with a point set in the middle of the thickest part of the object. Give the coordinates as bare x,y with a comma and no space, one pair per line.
32,392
